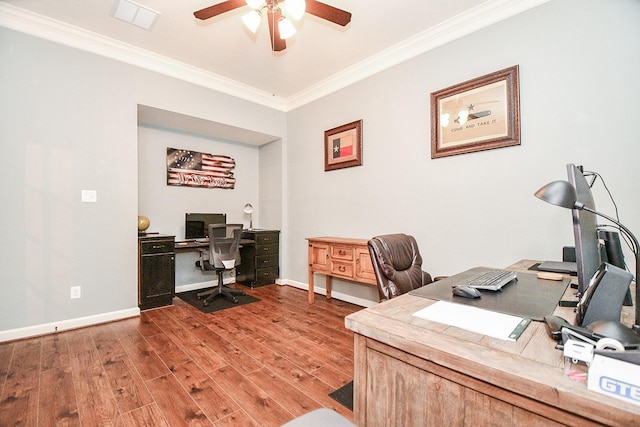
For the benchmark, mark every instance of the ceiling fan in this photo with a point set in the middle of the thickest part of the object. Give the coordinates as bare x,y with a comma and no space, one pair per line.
280,28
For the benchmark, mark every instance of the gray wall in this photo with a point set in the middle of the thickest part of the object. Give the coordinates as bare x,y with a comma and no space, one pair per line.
578,88
166,205
68,123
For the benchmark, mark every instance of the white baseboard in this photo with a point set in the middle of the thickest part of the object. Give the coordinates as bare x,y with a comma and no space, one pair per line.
199,285
80,322
64,325
334,295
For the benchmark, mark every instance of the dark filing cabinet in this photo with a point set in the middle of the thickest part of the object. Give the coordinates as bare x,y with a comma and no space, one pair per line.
156,270
260,263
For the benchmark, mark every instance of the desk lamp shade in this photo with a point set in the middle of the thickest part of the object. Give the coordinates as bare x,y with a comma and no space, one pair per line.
559,193
143,223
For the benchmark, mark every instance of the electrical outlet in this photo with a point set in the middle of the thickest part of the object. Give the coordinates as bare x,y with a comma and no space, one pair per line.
89,196
75,292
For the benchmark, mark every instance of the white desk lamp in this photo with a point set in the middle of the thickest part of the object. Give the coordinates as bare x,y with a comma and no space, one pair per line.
248,209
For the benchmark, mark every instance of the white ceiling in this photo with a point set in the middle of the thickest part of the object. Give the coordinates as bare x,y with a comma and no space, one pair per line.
221,54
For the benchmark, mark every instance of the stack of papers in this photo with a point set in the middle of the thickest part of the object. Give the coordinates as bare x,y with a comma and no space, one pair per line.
485,322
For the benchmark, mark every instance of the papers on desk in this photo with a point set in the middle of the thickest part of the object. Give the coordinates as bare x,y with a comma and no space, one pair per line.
485,322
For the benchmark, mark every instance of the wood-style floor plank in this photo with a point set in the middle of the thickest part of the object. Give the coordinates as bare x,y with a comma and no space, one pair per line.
146,416
19,400
58,406
126,383
96,403
260,364
255,401
175,403
214,401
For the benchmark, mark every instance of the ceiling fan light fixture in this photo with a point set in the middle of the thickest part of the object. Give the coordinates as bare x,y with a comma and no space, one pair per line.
276,11
295,8
255,4
286,28
252,20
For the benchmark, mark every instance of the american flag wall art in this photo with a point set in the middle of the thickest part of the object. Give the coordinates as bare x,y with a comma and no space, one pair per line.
193,169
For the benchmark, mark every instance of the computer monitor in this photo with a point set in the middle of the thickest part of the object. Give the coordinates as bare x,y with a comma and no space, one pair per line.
196,225
585,230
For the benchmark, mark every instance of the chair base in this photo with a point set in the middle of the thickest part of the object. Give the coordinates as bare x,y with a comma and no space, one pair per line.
220,290
224,291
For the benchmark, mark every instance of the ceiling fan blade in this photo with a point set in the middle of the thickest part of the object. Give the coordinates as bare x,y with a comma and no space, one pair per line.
330,13
277,43
217,9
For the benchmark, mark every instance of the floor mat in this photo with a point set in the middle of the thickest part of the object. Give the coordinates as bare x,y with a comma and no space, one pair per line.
344,395
218,303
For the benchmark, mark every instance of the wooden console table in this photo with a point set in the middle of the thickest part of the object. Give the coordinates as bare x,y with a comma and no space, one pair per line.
339,257
413,372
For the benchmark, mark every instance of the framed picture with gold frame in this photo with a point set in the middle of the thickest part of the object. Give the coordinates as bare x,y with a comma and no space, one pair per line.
343,146
479,114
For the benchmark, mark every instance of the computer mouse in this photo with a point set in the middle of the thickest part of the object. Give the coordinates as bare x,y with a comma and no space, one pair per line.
466,292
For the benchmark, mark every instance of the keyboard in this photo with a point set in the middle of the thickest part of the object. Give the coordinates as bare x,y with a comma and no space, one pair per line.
492,280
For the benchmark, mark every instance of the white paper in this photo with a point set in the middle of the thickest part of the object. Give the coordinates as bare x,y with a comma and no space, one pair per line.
485,322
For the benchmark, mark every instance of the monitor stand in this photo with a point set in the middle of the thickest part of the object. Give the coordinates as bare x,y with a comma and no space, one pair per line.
613,252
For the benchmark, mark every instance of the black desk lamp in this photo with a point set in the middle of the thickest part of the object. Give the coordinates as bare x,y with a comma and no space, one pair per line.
562,193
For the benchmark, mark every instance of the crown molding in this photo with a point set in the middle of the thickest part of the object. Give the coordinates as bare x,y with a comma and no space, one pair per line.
459,26
473,20
49,29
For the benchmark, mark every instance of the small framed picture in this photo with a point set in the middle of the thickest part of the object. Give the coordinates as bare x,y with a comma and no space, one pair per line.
343,146
479,114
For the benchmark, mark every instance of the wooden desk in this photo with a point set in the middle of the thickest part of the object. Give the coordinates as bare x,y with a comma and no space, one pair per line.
195,245
413,372
339,257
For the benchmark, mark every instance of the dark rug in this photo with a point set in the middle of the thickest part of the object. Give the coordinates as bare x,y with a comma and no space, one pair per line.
344,395
218,303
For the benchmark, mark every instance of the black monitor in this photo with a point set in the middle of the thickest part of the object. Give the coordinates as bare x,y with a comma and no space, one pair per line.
196,225
585,230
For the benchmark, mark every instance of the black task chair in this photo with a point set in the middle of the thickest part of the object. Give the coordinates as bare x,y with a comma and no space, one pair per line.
397,264
223,254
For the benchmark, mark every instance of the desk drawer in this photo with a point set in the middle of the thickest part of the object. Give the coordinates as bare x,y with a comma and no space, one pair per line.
156,247
267,238
267,250
266,276
267,261
344,253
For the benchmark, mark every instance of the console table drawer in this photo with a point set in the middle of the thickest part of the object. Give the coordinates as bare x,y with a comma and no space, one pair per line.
342,269
342,252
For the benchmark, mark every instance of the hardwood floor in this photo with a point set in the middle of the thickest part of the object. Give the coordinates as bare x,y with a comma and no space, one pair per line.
260,364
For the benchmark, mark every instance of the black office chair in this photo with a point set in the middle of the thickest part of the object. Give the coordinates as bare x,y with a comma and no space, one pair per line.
398,265
223,255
